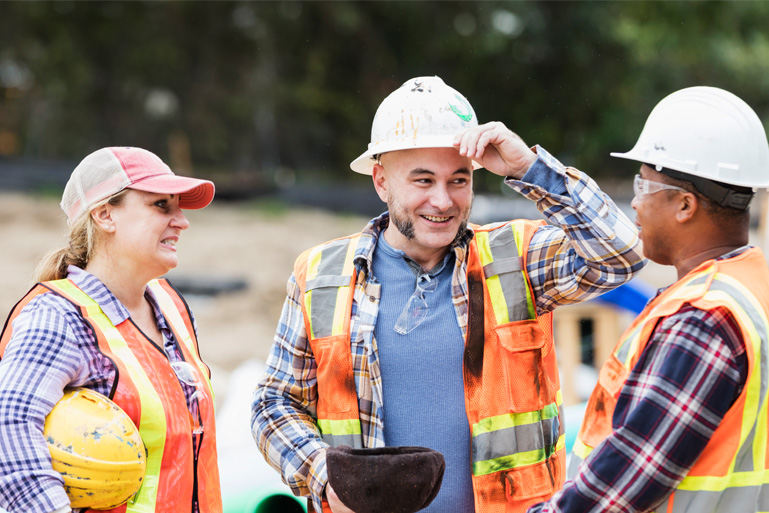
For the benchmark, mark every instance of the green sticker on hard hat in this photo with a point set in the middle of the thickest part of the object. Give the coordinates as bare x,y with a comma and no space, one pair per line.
464,116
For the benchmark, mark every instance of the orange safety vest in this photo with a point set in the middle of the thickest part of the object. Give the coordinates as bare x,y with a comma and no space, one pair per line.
147,389
730,476
512,390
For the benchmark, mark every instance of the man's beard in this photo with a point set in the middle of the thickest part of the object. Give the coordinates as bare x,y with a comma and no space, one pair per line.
406,225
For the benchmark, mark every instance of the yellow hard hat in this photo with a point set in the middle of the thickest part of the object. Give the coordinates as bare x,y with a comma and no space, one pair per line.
96,448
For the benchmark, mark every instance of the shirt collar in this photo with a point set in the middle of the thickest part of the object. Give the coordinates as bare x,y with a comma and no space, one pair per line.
109,304
364,253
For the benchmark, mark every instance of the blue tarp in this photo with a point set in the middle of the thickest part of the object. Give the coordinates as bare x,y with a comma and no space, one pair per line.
631,296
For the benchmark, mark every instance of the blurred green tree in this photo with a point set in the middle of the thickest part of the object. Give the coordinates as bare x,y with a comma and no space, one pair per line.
259,91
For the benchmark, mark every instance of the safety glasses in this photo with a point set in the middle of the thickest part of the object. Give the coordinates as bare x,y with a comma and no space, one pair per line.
641,186
190,375
416,308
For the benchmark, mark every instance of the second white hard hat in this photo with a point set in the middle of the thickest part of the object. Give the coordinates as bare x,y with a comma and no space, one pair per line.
422,113
705,132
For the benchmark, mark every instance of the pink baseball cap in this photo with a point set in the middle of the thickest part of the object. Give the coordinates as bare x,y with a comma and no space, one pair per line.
110,170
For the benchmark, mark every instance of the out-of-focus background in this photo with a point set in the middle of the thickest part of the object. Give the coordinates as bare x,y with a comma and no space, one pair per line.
272,100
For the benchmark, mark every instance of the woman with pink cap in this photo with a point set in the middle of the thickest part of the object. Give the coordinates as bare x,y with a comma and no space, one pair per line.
100,318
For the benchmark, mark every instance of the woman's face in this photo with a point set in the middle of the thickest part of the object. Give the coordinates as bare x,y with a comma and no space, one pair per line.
145,230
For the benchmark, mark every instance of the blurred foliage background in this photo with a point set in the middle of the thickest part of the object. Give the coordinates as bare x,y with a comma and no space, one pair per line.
259,95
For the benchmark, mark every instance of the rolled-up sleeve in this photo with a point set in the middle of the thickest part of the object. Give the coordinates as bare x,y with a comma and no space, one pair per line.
588,247
284,406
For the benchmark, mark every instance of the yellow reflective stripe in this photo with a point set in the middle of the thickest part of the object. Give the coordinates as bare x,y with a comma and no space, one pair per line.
152,424
172,315
519,459
750,415
313,262
348,267
720,483
580,449
340,309
628,348
762,427
339,427
495,289
508,420
518,233
337,328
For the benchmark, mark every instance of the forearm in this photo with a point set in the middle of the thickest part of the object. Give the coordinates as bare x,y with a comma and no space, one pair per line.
289,439
590,246
284,403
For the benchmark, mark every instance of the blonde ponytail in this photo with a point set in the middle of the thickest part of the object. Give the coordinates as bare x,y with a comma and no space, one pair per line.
82,239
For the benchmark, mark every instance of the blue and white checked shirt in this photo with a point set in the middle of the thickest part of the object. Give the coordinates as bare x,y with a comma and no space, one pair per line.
52,348
590,248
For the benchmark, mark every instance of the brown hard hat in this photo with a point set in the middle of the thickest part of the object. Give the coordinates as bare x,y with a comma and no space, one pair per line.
386,479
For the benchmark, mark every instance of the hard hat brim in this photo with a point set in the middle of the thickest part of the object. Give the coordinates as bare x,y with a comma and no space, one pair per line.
365,163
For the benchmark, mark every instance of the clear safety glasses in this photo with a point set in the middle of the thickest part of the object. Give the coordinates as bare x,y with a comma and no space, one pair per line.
415,310
190,375
641,186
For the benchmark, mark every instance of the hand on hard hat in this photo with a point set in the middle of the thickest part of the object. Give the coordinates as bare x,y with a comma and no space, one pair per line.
497,148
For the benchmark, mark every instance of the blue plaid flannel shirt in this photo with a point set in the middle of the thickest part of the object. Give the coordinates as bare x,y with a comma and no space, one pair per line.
589,248
52,348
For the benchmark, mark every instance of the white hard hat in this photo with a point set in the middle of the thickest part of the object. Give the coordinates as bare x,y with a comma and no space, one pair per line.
422,113
708,133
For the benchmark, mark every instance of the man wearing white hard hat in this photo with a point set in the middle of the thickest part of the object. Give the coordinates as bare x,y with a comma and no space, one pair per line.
678,420
424,331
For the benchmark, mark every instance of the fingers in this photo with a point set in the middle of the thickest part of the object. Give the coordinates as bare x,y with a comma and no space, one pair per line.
472,143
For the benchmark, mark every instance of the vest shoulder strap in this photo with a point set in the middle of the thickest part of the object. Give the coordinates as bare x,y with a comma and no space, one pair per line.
325,275
300,268
5,334
502,249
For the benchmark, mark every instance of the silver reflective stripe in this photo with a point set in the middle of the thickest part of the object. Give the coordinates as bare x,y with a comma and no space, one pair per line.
507,265
326,286
354,441
744,459
763,499
327,281
505,251
516,439
624,351
742,499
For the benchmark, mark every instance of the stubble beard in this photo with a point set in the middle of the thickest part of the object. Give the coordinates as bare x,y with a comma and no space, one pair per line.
406,225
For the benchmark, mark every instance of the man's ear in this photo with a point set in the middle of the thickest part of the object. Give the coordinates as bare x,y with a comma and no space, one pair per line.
688,206
380,182
102,216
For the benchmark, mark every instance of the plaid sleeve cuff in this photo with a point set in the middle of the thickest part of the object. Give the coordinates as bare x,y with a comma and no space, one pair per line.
546,176
318,479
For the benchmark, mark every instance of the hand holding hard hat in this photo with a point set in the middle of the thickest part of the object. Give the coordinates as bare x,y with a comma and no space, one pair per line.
426,113
96,448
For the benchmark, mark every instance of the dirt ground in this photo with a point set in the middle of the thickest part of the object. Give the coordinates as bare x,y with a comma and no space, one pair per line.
255,242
